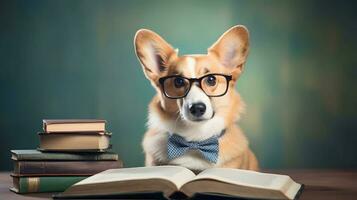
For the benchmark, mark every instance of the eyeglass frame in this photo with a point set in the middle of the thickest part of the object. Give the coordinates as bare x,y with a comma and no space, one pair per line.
193,80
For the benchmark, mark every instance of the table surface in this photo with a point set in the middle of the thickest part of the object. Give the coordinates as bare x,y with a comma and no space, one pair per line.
319,184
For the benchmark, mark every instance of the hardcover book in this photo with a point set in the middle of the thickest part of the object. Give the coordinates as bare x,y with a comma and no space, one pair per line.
170,180
73,125
33,154
43,184
99,141
60,168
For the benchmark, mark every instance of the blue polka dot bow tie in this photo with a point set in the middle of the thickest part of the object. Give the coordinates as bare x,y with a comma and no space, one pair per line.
178,146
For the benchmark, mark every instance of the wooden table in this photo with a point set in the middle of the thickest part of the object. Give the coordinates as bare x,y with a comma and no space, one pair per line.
319,184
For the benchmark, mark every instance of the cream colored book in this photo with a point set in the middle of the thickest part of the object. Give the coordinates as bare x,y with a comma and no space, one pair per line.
73,125
172,179
74,142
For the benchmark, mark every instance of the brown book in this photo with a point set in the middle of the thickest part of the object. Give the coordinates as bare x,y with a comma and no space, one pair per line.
63,168
74,142
73,125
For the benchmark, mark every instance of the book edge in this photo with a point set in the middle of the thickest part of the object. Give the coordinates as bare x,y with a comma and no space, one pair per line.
76,150
67,156
298,194
13,189
48,175
72,121
111,196
101,133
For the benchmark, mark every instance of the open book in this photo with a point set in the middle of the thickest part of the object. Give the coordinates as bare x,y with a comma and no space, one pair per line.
172,179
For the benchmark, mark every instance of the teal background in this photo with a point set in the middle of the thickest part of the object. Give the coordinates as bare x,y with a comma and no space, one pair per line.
75,59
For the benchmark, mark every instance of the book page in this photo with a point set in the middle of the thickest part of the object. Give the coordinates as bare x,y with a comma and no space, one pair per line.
245,178
175,174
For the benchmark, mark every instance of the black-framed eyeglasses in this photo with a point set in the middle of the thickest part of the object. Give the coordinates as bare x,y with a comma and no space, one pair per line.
176,86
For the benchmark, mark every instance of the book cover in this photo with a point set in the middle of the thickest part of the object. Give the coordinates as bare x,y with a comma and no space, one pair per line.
33,155
75,141
59,168
71,121
73,125
43,184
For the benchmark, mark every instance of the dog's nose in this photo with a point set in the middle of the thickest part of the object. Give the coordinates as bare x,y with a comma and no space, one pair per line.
198,109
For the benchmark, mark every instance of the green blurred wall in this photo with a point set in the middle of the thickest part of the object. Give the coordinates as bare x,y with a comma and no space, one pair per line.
75,59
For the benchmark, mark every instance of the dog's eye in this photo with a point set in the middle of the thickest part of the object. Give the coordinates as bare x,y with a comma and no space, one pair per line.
179,82
211,80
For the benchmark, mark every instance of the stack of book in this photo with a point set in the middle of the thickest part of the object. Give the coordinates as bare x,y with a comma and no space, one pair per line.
69,151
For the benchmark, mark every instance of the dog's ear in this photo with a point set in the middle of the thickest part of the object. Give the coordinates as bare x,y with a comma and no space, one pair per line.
153,52
232,48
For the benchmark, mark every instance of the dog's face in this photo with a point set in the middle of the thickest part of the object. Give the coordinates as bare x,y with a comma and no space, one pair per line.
195,87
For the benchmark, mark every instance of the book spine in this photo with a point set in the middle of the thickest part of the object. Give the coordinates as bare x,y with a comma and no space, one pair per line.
47,184
44,126
63,168
69,156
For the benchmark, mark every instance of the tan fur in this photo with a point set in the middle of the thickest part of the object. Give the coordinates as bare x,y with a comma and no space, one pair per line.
226,56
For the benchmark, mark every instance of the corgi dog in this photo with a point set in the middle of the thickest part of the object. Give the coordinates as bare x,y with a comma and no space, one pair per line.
192,119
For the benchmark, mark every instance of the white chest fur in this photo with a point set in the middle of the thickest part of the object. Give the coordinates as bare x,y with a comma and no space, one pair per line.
156,145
